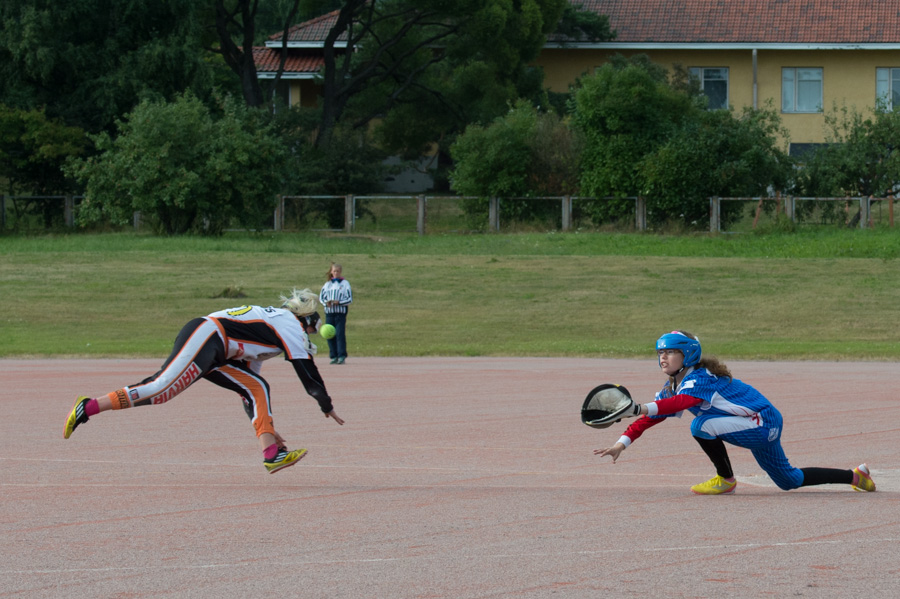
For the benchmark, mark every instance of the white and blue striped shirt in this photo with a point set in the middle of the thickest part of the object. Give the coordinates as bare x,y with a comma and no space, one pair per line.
336,290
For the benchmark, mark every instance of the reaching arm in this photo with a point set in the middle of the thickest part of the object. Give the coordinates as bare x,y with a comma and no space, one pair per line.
312,381
671,405
315,386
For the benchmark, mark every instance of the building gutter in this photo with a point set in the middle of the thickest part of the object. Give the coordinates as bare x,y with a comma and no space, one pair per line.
755,88
304,45
285,75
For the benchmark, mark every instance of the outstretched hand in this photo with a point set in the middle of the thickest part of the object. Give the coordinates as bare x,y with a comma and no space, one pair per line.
613,451
333,414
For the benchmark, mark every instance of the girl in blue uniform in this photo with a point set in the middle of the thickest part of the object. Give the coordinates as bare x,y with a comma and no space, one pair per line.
725,410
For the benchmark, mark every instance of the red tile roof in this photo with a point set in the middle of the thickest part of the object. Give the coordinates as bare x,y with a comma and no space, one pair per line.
267,60
752,21
806,22
313,31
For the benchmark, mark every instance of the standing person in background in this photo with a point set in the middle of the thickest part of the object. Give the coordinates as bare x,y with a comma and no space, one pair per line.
336,296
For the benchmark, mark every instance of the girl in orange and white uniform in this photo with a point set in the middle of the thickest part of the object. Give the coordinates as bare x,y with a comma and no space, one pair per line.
227,348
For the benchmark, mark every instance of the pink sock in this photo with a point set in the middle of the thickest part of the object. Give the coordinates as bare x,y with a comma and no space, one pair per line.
91,407
271,451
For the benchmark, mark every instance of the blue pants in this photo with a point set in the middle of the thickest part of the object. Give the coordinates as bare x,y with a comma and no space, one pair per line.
337,345
761,435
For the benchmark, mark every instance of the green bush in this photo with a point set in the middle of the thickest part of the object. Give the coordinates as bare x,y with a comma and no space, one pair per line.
185,169
861,157
647,136
713,154
523,154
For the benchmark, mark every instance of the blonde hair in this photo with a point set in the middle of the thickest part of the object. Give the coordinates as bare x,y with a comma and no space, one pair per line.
302,302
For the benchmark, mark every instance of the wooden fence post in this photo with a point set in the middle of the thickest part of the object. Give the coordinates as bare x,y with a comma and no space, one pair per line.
494,215
69,211
420,214
349,213
640,213
279,213
566,213
714,207
759,208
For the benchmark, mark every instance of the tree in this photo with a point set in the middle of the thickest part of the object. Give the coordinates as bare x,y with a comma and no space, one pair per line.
349,164
714,154
89,62
451,62
861,158
625,111
33,149
524,153
235,24
647,133
184,168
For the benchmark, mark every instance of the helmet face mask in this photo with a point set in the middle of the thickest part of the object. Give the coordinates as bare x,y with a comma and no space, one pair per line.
689,347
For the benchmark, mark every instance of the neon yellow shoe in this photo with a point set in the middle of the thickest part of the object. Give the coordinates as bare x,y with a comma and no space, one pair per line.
715,486
864,482
283,459
76,416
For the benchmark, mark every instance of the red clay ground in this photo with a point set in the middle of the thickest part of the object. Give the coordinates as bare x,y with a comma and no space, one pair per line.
453,478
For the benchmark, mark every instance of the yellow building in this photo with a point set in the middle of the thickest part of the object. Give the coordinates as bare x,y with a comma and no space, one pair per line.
803,56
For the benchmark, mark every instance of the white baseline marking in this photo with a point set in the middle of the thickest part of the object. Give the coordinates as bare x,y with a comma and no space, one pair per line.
502,556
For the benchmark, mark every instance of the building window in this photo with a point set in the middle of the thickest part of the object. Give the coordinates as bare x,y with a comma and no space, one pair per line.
887,88
714,83
801,90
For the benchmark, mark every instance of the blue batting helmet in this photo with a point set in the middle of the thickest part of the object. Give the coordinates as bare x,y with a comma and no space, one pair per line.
688,346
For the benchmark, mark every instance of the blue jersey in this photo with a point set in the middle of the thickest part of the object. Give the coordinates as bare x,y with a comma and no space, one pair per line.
721,396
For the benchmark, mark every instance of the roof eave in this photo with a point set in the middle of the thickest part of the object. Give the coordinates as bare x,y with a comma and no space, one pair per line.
304,45
285,75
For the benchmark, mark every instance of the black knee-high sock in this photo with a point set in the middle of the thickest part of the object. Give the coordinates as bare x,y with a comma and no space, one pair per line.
718,455
826,476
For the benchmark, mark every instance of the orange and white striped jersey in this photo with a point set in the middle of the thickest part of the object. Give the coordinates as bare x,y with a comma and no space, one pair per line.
254,333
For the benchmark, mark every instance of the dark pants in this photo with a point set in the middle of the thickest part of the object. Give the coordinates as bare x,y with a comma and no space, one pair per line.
337,345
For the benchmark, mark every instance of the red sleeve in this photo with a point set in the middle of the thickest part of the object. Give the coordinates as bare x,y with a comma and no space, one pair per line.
675,404
637,428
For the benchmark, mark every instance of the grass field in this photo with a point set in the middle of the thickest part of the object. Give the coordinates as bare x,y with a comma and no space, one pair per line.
816,294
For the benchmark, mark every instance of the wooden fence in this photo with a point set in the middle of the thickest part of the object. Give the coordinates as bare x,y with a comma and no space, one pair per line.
783,205
350,211
787,205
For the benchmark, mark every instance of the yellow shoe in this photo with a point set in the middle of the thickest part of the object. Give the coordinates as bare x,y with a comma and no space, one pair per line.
76,416
864,479
283,459
715,486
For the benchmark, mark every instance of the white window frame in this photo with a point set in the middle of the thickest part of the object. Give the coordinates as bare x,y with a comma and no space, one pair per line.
887,82
795,78
699,73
